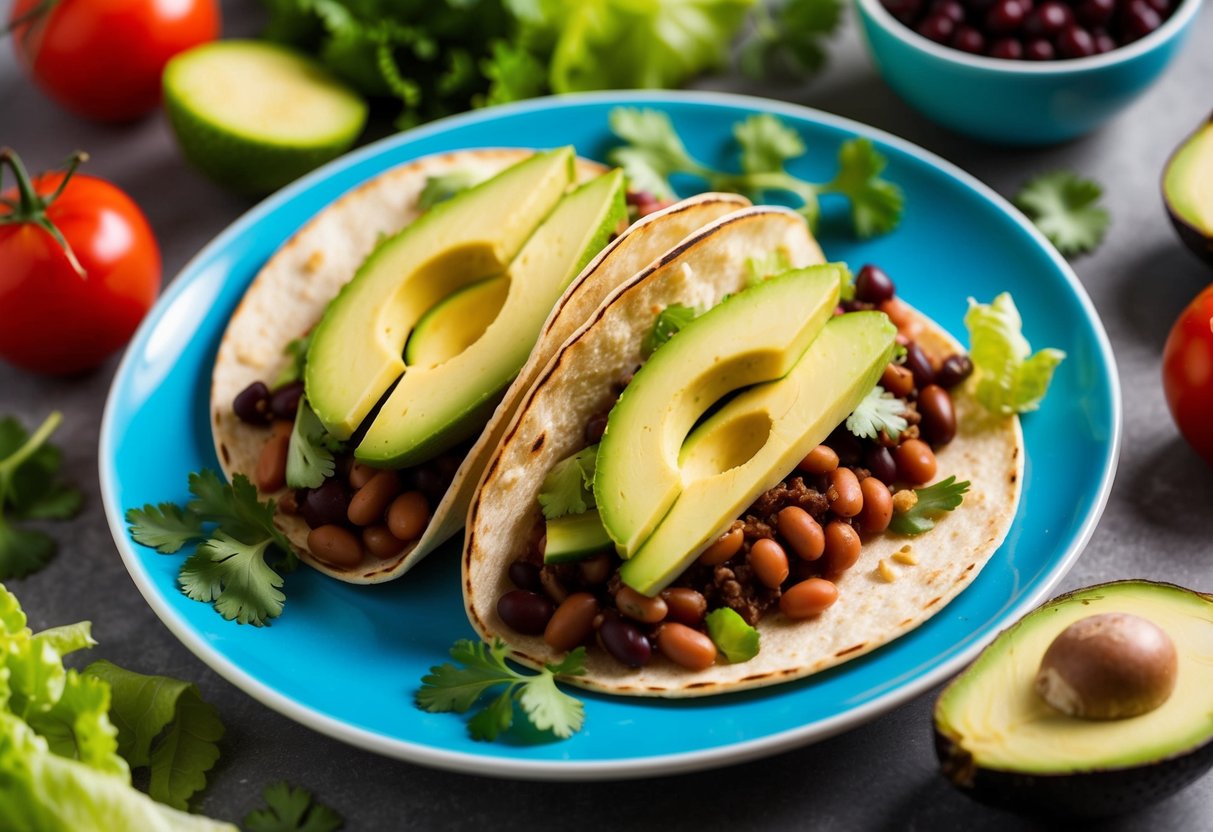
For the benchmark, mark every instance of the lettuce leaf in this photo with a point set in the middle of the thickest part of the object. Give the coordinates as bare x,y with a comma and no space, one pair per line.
1009,379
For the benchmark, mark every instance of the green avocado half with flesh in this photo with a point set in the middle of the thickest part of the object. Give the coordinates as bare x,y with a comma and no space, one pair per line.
1187,187
999,741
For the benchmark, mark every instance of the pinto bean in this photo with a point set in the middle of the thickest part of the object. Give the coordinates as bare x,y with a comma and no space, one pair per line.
335,545
685,646
369,502
727,545
897,380
408,515
820,460
270,473
686,605
361,474
877,506
846,500
808,598
640,607
573,621
802,532
842,546
915,461
769,562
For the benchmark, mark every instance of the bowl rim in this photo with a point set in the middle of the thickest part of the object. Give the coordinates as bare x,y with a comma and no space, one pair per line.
1172,26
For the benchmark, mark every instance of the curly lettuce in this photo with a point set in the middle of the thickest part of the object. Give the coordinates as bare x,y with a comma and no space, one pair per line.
1009,378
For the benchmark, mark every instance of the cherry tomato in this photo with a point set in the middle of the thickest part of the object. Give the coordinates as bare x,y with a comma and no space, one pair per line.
102,59
68,303
1187,373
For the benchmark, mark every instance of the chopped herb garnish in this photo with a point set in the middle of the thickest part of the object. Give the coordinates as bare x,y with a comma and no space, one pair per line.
737,640
309,460
296,350
1009,378
669,321
292,810
937,499
448,688
569,486
30,489
1064,207
235,533
653,153
879,411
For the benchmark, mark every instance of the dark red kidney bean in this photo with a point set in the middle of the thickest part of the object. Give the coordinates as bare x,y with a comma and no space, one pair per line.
954,370
1076,42
897,380
573,621
1039,49
880,464
1163,7
872,285
1048,19
284,401
380,542
1095,12
685,605
270,474
1009,49
326,504
524,575
335,545
968,39
1103,41
917,363
595,427
595,570
252,404
846,445
525,612
937,28
1005,17
625,642
947,8
429,482
1138,20
938,423
915,461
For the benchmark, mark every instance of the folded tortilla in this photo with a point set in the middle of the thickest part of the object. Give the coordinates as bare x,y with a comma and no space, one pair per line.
289,296
577,383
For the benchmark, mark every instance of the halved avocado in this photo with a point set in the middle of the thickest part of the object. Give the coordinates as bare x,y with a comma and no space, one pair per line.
1001,743
1187,189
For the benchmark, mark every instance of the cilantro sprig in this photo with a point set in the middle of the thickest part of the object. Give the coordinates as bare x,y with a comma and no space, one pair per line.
653,153
879,411
449,688
569,486
30,489
292,810
240,551
933,501
296,351
309,459
1065,208
788,42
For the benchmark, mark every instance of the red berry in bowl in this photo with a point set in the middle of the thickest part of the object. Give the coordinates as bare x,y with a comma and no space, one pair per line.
904,10
968,39
938,28
949,8
1005,17
1007,48
1048,19
1139,20
1104,42
1039,50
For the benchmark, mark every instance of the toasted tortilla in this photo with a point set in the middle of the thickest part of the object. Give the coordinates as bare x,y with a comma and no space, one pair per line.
288,297
870,611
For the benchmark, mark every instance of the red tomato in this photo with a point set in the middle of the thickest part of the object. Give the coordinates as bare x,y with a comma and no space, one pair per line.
1187,373
52,318
102,59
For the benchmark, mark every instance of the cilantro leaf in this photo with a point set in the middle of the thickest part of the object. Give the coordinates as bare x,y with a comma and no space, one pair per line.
569,486
442,187
309,462
879,410
653,153
942,497
235,577
449,688
291,810
669,321
165,527
789,42
236,509
513,73
736,639
30,489
171,714
1064,207
296,350
1009,379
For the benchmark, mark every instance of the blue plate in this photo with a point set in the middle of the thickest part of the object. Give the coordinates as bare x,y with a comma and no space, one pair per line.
346,660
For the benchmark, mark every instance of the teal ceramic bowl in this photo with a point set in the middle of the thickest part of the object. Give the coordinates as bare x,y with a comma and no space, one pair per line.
1018,102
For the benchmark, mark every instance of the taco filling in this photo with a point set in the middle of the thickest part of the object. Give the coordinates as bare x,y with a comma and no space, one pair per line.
782,555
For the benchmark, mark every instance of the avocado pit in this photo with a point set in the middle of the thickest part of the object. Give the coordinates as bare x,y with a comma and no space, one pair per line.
1109,666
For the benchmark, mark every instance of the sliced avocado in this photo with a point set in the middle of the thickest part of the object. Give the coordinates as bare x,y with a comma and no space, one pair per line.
454,325
357,349
1001,743
1187,187
574,537
757,438
433,408
755,336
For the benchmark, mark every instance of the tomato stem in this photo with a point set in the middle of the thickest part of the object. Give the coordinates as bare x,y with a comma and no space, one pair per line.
31,207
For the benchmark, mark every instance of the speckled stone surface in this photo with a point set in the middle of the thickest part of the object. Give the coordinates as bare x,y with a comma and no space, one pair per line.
1158,522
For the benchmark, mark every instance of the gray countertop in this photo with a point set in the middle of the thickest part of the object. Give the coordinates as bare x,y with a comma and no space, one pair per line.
879,776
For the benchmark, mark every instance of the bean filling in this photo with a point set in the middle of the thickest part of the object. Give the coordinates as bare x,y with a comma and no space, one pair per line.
784,555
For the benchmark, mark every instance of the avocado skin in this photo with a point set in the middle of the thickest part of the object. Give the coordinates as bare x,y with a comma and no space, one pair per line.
1094,793
1196,240
1087,794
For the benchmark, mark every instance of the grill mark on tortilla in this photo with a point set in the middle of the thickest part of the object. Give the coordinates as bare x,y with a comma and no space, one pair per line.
538,443
933,601
907,621
842,653
225,453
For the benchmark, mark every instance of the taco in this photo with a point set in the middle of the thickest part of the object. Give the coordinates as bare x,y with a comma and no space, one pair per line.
704,519
258,365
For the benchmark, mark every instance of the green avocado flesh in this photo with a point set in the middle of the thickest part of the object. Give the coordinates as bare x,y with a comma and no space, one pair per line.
433,408
573,537
1188,181
456,323
755,336
757,438
357,349
993,713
